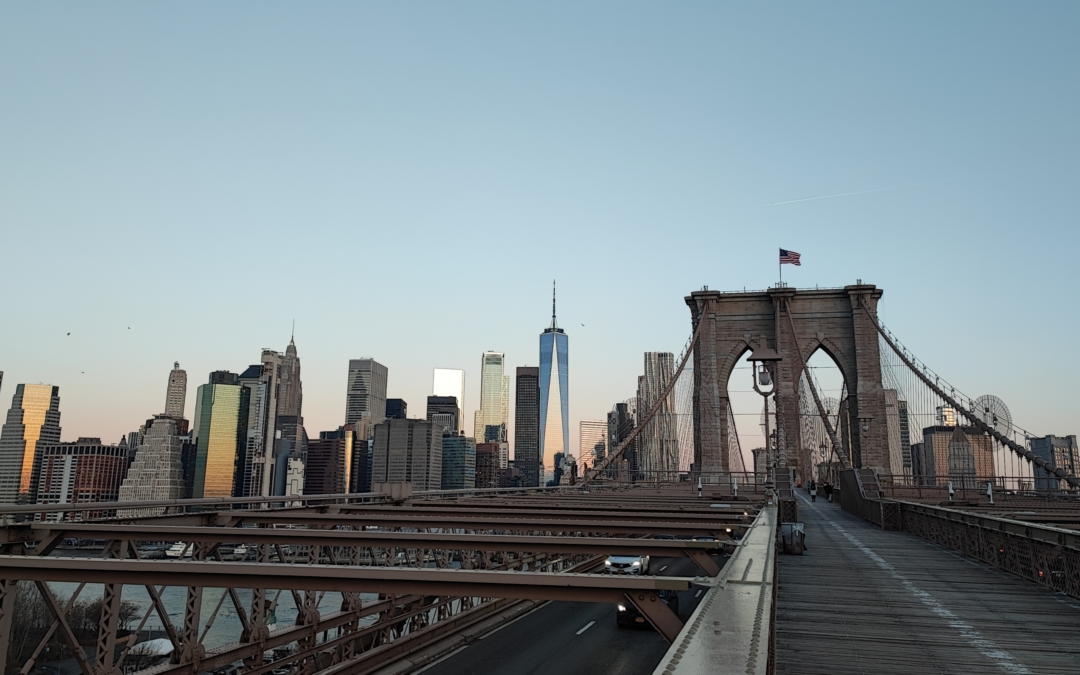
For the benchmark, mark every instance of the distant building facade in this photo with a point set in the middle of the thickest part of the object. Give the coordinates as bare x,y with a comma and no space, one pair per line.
658,442
443,410
82,472
219,434
176,395
458,462
365,397
1060,452
494,395
957,453
157,472
487,465
527,425
33,421
328,463
407,451
396,409
554,394
591,433
621,423
451,382
256,461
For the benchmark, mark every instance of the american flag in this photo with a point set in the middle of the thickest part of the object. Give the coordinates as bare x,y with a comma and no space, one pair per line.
789,258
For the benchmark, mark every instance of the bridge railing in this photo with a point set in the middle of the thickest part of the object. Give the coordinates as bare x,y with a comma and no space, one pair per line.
1047,555
969,487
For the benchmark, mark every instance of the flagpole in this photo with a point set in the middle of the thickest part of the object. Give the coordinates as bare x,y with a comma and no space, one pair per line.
780,266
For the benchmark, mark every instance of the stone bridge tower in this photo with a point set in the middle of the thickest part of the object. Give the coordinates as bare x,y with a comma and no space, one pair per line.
827,319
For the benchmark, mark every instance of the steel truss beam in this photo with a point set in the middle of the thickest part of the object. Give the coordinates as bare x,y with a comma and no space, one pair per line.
402,540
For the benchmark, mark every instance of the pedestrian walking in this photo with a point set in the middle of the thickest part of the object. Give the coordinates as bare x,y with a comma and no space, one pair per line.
828,491
813,491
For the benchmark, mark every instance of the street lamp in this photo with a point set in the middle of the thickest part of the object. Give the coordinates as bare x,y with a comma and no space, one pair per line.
762,360
864,436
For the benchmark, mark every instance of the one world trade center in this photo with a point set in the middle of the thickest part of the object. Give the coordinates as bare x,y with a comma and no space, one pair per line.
554,395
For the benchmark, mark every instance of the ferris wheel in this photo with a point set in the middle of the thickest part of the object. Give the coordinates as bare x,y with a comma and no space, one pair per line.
993,411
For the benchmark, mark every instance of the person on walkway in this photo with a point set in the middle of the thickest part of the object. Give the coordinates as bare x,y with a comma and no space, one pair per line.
813,491
828,491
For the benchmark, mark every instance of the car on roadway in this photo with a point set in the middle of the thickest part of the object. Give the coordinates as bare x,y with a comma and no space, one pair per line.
626,564
628,615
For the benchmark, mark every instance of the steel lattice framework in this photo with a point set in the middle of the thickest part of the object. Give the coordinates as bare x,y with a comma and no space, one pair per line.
429,566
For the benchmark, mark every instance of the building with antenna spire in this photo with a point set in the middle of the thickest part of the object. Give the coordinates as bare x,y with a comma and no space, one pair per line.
554,395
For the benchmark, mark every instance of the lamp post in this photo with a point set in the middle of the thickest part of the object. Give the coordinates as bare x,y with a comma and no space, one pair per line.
864,438
762,360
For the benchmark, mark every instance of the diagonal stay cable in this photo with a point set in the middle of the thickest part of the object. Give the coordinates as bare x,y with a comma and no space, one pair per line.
602,466
829,429
971,417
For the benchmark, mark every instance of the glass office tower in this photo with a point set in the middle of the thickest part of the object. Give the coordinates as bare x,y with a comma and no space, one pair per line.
220,431
527,425
554,396
494,396
32,421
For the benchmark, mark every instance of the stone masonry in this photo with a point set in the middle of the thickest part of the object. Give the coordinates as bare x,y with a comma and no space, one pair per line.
827,319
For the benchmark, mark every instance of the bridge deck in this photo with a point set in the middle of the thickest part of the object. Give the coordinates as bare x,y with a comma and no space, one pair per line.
865,601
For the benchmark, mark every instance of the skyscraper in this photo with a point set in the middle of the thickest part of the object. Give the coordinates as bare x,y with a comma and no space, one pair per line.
487,465
365,397
408,451
176,396
527,425
257,459
329,462
443,410
658,444
458,463
290,398
590,433
158,471
494,395
554,394
451,382
32,422
219,434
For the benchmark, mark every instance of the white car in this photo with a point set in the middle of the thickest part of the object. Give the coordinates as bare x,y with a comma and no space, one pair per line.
627,564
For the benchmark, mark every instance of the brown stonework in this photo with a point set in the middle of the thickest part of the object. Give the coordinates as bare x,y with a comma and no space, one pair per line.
827,319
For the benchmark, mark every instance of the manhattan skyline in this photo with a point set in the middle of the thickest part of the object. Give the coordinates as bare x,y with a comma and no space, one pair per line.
659,147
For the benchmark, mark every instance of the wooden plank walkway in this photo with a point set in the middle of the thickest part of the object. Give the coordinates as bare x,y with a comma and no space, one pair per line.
866,601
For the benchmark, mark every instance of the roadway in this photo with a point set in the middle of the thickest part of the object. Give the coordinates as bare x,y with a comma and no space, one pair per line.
572,638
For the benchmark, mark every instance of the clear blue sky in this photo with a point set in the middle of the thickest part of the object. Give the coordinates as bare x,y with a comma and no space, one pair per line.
406,179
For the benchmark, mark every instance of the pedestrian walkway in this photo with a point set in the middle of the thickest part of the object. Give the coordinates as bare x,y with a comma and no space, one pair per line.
866,601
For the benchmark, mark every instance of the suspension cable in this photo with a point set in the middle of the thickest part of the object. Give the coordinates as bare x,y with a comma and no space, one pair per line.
817,399
971,417
644,421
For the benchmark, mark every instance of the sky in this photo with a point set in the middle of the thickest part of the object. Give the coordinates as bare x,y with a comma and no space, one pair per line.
180,182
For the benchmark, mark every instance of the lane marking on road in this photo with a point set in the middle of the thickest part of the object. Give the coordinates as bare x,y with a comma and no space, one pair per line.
585,628
980,642
663,568
698,594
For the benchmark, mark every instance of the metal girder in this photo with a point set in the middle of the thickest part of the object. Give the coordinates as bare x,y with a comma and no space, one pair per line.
656,612
474,542
631,514
8,589
534,524
391,580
